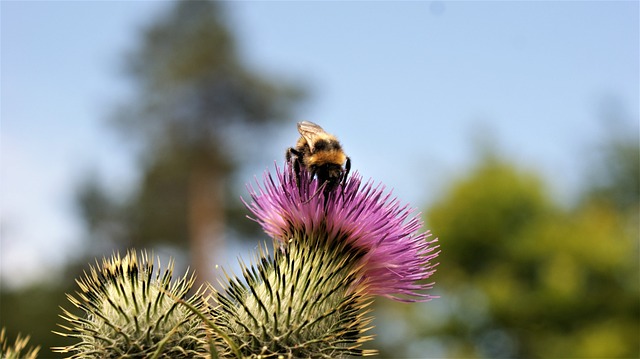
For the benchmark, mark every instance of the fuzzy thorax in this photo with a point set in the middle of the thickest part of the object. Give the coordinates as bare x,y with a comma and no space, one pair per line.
336,157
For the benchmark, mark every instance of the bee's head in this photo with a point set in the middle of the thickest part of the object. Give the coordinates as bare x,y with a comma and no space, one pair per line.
328,172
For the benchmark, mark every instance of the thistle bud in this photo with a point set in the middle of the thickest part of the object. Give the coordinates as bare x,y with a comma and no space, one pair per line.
19,348
130,310
301,302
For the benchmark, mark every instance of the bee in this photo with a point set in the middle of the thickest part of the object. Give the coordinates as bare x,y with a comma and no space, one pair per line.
321,154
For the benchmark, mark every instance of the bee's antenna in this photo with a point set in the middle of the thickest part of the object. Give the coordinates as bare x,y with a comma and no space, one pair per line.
321,188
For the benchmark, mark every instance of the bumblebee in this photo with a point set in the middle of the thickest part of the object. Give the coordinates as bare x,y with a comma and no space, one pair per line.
319,153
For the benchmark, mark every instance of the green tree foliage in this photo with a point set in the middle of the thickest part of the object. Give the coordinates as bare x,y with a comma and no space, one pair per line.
33,311
527,278
616,178
195,107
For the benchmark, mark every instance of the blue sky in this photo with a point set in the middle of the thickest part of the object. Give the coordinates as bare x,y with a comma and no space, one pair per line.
408,87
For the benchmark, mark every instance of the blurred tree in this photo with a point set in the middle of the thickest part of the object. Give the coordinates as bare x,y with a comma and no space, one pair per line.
195,106
195,111
614,174
34,311
522,277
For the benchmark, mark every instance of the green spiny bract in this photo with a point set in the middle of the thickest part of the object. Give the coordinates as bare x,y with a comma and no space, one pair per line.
302,302
129,311
17,350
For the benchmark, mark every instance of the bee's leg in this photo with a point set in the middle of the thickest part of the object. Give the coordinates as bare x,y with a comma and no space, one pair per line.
312,173
347,169
296,171
292,156
345,174
321,189
291,153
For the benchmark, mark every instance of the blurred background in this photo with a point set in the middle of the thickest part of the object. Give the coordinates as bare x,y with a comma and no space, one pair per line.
512,127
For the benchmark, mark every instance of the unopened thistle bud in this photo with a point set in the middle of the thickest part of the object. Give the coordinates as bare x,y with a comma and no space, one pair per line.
297,303
128,310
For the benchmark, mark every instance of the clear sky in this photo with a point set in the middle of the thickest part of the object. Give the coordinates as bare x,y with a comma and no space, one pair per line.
408,87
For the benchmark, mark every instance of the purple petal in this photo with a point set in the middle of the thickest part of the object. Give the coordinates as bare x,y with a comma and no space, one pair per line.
397,258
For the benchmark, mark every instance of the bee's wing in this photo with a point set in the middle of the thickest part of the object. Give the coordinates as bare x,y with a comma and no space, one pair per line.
310,131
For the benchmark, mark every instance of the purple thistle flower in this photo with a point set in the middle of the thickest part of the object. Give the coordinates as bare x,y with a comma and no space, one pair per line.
396,258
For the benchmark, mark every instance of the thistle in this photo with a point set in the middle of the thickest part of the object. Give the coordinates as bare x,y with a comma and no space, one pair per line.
15,351
334,251
128,310
395,256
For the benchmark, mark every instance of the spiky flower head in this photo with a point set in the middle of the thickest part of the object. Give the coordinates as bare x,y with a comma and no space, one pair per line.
333,251
17,350
130,310
296,303
395,256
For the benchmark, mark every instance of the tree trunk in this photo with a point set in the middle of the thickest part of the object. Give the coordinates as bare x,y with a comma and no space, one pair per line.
206,221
